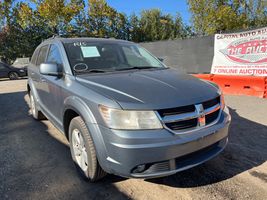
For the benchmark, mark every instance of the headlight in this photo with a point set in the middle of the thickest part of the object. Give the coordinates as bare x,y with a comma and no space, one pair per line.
21,70
129,120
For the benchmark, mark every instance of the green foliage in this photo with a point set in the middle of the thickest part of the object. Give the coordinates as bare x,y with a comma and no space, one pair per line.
152,25
56,15
213,16
14,41
5,14
24,24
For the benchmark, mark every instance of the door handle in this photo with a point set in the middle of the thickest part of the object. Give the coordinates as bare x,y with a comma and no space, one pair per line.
32,73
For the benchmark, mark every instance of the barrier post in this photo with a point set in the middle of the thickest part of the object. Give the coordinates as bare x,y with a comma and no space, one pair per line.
239,85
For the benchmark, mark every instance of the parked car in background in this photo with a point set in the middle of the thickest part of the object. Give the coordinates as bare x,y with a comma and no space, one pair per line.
21,62
13,73
123,111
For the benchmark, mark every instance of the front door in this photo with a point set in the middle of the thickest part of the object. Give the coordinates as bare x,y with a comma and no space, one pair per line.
50,86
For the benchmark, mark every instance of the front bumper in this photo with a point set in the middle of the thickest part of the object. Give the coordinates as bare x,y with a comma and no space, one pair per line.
22,74
155,153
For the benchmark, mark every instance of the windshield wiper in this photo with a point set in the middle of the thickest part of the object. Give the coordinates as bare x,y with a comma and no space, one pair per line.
130,68
92,71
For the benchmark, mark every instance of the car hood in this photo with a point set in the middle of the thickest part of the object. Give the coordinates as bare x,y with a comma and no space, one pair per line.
19,66
150,89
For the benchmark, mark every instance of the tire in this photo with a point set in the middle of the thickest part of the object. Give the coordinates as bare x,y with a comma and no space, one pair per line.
83,151
13,76
36,114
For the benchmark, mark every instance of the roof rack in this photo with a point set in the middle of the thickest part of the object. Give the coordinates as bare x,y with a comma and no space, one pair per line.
53,37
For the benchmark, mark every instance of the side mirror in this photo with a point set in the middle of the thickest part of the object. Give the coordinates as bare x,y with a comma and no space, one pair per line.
50,69
161,59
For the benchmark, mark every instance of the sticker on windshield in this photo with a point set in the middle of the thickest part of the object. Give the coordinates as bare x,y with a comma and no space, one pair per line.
80,67
90,51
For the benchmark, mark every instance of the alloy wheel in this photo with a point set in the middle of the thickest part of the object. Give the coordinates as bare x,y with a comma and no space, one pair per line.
79,149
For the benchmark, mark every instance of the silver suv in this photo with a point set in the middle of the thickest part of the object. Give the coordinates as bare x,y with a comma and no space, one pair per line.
123,111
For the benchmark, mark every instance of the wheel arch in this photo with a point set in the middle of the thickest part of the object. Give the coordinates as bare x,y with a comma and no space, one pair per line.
13,71
69,114
73,107
31,88
28,88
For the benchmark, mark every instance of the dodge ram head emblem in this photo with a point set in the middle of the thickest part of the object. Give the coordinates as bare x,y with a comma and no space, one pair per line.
201,115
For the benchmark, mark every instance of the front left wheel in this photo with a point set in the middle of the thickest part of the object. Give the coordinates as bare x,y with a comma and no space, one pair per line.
83,151
13,76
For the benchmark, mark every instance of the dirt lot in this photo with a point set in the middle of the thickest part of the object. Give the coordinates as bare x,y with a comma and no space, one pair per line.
35,161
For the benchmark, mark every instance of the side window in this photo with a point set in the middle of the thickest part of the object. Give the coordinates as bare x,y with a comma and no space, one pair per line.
54,55
2,66
34,56
42,55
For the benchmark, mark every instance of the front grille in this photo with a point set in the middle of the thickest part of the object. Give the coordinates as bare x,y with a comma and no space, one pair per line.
210,103
191,116
179,125
212,117
176,111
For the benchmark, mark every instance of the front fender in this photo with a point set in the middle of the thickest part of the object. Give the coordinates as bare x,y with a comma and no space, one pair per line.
79,106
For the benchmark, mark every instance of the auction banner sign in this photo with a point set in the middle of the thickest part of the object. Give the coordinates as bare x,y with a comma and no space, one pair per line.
243,53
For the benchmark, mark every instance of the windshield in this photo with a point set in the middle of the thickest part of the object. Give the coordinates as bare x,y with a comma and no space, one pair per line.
21,61
89,57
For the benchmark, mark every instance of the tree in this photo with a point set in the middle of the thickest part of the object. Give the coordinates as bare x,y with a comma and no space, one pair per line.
213,16
121,27
56,15
134,28
5,12
153,26
24,24
105,21
11,39
180,29
99,16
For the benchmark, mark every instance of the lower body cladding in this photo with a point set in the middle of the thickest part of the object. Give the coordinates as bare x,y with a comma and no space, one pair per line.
156,153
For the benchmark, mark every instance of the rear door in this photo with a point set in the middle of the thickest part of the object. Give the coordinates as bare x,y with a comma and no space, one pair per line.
36,76
4,70
50,86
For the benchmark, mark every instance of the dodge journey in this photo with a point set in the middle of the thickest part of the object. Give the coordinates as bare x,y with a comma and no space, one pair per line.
123,111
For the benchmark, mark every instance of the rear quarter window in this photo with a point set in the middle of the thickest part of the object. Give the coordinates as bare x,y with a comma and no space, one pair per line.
42,55
34,56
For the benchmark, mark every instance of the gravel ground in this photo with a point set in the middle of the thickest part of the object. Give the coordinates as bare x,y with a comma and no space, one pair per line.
35,161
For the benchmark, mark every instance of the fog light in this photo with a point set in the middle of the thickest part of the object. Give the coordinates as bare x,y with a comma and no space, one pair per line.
139,169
